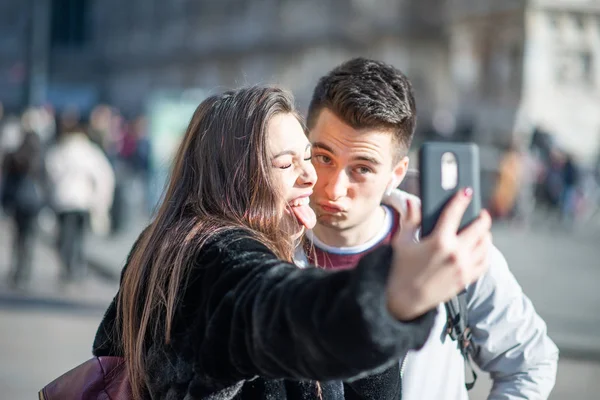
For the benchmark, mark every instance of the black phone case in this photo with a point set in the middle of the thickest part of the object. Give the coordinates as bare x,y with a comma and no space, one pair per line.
433,196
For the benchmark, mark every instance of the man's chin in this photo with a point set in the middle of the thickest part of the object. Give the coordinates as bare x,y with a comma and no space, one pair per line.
330,222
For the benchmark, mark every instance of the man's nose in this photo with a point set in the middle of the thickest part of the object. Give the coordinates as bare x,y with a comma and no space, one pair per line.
337,187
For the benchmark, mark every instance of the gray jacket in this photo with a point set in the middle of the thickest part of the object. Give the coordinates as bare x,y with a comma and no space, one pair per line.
511,338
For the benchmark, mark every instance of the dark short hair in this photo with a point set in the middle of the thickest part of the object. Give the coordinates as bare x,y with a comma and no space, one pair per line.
368,94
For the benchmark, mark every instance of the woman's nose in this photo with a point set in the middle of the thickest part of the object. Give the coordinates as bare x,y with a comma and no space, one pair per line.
308,175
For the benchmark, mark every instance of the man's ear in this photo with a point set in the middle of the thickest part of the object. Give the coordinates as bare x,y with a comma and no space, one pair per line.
398,174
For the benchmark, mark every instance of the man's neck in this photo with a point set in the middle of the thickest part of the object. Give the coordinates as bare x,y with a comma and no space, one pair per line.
355,236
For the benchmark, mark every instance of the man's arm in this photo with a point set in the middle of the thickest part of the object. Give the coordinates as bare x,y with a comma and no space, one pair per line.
510,336
514,347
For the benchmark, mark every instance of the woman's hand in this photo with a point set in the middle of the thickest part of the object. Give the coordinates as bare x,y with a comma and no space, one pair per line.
427,273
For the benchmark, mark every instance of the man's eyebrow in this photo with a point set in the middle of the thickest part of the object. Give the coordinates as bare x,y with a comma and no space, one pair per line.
289,152
368,159
322,146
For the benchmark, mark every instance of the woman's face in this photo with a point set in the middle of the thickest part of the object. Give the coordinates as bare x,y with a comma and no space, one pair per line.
293,172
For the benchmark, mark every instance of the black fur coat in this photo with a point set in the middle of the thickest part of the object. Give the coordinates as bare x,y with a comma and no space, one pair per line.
250,326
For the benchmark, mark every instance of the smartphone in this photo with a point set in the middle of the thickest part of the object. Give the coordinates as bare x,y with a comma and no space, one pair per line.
444,169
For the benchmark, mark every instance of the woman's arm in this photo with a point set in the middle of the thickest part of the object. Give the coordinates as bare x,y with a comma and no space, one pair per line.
386,385
270,318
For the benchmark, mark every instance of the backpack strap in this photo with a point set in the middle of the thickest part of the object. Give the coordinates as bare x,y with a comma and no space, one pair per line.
458,329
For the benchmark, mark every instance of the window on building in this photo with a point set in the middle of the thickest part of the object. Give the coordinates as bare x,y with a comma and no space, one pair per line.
579,21
576,68
554,21
586,66
69,25
516,62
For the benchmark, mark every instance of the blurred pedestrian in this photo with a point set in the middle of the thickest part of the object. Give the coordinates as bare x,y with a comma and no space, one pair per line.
554,181
82,182
1,156
507,186
597,168
140,161
100,127
11,137
570,193
22,199
46,125
532,169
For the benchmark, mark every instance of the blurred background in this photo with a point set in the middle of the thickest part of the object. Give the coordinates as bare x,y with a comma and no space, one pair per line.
120,80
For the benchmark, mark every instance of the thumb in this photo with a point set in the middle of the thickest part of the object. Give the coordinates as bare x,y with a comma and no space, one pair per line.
410,222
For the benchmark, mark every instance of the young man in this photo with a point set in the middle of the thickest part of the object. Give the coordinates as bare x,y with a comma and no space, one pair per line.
361,121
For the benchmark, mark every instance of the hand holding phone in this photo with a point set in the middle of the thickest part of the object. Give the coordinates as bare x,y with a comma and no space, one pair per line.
435,269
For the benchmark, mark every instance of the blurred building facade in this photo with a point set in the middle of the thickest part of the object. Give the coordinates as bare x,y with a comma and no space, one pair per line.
223,44
521,65
496,67
14,45
561,87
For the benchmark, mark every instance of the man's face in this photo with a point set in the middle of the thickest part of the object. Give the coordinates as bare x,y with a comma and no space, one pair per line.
354,168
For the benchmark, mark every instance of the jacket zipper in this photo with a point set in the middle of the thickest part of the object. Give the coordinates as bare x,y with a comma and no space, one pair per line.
402,366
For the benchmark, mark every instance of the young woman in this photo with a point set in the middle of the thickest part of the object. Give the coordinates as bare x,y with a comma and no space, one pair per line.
211,305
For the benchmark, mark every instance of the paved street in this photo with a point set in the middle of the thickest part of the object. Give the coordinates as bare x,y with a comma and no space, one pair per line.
39,345
560,271
47,330
50,330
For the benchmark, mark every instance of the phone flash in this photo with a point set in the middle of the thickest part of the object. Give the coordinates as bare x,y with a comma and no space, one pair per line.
449,171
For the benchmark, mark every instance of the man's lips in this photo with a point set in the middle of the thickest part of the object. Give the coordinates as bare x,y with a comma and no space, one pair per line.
331,208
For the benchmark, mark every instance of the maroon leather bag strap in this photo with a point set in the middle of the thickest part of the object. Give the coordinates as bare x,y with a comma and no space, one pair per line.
99,378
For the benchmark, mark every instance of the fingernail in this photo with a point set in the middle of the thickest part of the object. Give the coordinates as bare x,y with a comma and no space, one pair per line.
468,192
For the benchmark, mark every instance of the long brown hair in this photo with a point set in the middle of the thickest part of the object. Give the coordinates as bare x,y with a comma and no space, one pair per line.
220,180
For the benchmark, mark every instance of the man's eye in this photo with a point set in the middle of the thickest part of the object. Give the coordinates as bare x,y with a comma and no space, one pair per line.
323,159
363,170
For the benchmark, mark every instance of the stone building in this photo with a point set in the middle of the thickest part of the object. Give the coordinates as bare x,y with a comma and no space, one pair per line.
128,50
13,52
498,67
561,85
520,65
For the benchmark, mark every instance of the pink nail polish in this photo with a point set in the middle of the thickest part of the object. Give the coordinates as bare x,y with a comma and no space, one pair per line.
468,192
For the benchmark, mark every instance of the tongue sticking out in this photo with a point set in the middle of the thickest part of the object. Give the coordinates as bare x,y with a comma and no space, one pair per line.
305,215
